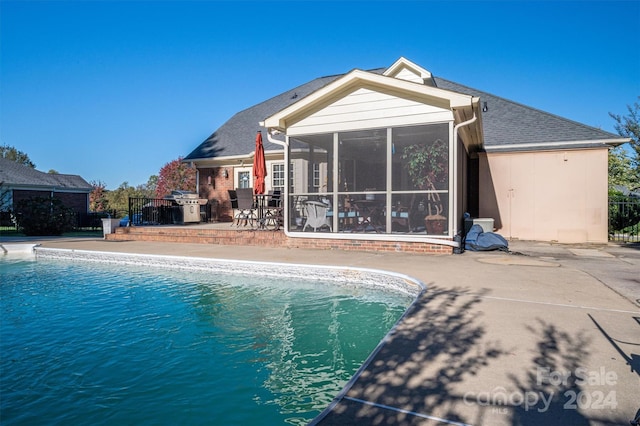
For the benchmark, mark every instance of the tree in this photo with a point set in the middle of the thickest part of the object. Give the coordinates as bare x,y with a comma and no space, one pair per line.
175,175
620,168
11,153
151,185
147,190
98,201
628,126
118,199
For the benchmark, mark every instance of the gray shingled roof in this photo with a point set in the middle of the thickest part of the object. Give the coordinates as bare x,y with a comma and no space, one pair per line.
238,135
505,124
509,123
14,174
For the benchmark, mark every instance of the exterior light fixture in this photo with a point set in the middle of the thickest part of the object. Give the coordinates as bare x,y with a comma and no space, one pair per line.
225,174
485,108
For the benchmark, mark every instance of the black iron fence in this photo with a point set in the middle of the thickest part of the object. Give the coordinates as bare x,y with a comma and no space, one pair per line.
152,211
624,220
161,211
91,221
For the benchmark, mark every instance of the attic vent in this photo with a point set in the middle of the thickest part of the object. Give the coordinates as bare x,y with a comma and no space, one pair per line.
295,95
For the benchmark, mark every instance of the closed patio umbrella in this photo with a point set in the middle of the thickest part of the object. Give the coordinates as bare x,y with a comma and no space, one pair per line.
259,166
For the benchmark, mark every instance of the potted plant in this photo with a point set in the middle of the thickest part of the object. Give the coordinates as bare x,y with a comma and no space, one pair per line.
428,167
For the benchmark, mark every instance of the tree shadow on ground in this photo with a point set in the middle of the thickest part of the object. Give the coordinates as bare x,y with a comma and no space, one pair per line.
437,345
553,391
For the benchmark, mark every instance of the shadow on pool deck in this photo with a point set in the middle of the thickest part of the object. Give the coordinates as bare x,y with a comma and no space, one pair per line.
442,326
416,378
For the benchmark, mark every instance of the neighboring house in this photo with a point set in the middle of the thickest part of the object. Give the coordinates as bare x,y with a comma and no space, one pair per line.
21,182
362,143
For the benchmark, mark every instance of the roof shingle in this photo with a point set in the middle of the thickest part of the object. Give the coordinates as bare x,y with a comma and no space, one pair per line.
507,125
15,174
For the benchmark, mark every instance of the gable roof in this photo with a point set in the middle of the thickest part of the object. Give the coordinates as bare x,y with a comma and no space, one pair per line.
506,125
18,175
356,79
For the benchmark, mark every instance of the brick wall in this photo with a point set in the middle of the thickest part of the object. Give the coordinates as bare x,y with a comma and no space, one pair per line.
79,202
246,237
217,188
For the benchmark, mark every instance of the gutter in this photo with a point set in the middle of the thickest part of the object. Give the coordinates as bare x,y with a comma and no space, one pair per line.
284,197
555,145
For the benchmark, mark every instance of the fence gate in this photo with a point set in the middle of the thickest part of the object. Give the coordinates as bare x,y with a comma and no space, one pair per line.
624,220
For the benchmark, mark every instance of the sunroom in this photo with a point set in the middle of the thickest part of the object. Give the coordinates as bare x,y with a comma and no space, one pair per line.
373,156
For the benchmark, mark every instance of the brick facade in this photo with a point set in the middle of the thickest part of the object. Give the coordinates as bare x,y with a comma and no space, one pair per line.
79,202
214,186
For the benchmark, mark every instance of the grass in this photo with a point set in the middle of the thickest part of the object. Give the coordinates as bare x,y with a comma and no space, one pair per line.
6,231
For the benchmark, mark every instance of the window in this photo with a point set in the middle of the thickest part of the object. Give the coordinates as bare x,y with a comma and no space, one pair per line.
244,179
277,176
316,175
291,177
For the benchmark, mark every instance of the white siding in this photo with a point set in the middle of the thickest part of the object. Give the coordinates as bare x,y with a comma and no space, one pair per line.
366,108
408,75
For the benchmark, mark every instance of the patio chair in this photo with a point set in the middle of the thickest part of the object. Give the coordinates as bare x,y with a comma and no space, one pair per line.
274,205
316,215
243,205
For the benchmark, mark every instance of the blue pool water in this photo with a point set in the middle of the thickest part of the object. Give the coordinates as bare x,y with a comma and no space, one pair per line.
92,343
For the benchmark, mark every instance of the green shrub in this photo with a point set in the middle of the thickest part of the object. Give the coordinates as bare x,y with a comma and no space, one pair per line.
43,216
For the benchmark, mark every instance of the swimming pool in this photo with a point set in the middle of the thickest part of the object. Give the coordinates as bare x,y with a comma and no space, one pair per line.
105,338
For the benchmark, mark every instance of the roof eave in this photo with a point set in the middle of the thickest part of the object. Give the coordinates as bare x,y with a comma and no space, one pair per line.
596,143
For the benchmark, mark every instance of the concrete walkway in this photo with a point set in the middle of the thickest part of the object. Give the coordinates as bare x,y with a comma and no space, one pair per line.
550,336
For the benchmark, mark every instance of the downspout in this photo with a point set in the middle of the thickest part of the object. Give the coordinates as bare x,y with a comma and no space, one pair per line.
455,158
285,195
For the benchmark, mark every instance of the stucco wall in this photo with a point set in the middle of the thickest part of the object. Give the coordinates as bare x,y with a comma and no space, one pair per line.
546,196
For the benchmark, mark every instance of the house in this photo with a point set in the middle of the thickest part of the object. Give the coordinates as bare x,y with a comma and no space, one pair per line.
398,156
21,182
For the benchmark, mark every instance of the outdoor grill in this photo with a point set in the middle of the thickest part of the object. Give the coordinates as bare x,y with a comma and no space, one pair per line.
186,206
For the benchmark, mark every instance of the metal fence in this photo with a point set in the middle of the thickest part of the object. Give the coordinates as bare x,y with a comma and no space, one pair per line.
624,220
91,221
152,211
161,211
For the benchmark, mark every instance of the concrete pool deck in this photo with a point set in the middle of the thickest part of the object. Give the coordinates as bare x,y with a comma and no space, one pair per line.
550,337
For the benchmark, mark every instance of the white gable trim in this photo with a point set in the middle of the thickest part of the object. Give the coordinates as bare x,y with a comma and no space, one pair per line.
407,70
358,79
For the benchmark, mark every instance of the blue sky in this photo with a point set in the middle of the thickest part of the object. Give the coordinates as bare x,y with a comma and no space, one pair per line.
113,90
